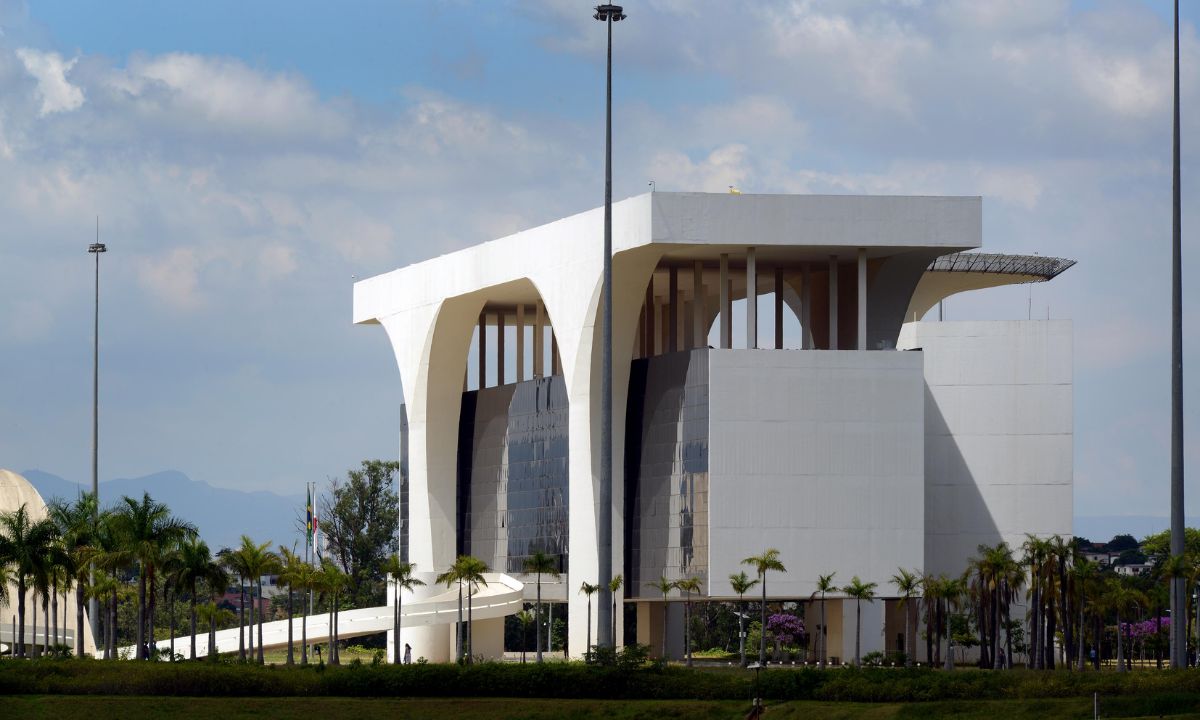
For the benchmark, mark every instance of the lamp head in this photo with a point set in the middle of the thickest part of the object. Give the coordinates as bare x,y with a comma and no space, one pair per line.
606,12
97,248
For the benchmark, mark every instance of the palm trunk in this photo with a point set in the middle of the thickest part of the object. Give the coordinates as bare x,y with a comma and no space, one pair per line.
140,635
537,628
34,650
742,632
470,625
857,632
666,656
290,656
171,610
304,635
459,636
54,616
1079,637
261,660
1120,646
822,635
687,628
250,626
112,625
587,653
242,619
614,622
1035,627
910,647
396,624
21,615
1050,625
79,646
152,605
762,635
213,655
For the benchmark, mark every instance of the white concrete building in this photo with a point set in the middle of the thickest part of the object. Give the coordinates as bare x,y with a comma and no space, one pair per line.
836,427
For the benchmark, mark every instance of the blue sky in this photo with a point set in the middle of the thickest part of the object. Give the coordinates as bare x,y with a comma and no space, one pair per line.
248,158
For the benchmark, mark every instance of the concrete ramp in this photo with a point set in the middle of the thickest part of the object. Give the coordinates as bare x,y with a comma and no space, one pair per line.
501,596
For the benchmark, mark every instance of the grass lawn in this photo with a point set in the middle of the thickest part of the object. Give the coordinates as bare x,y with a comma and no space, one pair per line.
59,707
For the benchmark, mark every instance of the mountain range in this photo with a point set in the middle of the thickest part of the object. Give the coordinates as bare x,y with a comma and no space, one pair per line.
222,515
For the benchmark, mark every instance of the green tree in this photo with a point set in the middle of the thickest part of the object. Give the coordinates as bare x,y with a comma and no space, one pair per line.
907,584
664,586
148,528
359,522
24,543
768,561
589,589
860,591
742,584
196,565
403,580
688,586
540,563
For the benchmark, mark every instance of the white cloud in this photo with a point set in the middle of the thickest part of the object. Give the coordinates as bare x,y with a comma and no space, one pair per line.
173,278
50,70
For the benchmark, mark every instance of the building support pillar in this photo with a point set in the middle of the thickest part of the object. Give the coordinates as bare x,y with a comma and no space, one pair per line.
862,298
698,334
521,342
726,309
672,308
833,302
499,348
778,307
751,300
482,350
649,319
539,339
806,338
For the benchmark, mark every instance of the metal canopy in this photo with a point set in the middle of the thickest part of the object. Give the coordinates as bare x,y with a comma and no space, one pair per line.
1037,266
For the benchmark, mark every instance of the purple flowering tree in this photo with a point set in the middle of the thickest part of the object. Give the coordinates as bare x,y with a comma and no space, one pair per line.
785,629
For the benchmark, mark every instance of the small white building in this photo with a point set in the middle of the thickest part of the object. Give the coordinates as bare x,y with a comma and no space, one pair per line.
822,417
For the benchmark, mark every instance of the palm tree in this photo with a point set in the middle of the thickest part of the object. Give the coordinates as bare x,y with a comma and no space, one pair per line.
1035,550
303,577
293,574
148,528
525,618
1121,596
589,590
234,563
860,591
768,561
952,591
257,561
542,564
330,581
824,585
614,586
195,564
907,584
688,586
450,577
401,574
742,584
76,527
472,573
212,614
24,543
664,586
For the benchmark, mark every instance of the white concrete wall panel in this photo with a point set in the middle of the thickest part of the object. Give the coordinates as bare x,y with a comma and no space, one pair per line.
818,454
1000,434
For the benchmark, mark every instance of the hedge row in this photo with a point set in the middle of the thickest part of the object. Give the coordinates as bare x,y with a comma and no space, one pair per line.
570,680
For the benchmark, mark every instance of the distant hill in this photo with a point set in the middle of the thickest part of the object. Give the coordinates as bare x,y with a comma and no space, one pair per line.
222,515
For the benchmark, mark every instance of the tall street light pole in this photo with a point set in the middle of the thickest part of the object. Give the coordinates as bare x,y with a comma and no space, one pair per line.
1178,585
607,14
96,249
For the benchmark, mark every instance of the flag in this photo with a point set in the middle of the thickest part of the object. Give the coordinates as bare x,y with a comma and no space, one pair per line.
309,522
316,528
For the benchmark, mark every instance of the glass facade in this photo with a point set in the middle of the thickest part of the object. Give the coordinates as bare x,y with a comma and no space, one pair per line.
666,470
512,473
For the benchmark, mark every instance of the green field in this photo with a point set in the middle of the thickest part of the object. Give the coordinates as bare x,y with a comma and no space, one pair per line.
131,708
